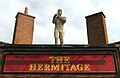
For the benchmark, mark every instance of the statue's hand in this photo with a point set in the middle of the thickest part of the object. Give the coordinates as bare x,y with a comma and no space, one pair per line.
55,15
59,17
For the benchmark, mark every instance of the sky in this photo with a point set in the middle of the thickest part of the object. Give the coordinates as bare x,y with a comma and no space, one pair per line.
75,27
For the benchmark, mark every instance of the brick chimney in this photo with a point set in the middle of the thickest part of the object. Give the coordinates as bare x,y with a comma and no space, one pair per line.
96,29
24,26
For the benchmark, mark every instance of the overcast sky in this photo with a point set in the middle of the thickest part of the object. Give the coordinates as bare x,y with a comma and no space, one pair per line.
74,10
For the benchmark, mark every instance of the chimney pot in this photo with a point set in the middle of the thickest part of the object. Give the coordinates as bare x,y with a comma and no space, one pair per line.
26,10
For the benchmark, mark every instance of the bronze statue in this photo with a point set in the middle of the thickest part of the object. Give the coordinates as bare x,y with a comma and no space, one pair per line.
59,21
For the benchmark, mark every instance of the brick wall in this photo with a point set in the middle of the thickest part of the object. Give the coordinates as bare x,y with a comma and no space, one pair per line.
96,29
24,26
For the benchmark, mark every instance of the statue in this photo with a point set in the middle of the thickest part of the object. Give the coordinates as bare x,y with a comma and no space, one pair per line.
59,21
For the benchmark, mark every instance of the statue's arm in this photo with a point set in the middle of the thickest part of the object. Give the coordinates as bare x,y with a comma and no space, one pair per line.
53,21
63,19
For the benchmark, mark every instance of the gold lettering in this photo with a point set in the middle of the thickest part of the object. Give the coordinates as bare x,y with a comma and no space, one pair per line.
73,67
66,59
59,59
40,67
79,67
86,67
46,67
62,67
59,63
67,67
32,67
52,59
55,67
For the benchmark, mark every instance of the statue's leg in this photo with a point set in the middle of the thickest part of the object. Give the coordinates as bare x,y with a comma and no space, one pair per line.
61,36
56,36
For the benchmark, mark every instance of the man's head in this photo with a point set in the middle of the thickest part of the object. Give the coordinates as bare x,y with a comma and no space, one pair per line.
59,12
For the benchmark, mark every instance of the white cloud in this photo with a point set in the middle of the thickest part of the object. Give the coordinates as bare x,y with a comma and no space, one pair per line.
75,35
44,34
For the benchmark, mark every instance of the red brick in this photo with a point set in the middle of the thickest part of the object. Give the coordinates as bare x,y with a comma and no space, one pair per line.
96,29
23,33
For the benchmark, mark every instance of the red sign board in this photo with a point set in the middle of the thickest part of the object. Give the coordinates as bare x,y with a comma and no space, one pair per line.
59,63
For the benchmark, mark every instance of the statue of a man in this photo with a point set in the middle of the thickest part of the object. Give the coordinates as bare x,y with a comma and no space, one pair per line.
59,21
